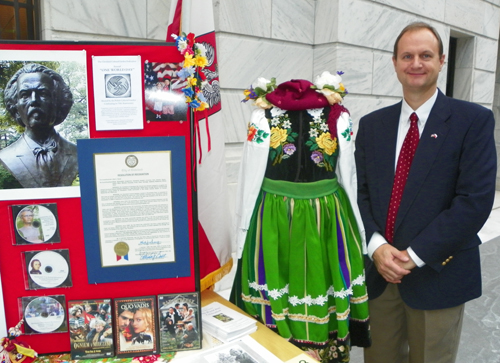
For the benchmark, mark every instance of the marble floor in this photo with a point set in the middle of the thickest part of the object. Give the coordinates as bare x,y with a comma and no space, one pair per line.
480,340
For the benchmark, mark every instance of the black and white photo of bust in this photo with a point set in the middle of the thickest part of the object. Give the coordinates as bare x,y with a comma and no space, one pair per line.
38,145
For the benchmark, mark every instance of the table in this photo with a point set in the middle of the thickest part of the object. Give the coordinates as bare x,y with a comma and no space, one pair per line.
276,344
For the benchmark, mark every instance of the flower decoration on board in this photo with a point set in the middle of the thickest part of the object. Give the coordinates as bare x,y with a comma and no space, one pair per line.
258,92
194,61
331,86
13,351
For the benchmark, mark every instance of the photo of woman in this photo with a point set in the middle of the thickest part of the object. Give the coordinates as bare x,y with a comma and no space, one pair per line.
143,328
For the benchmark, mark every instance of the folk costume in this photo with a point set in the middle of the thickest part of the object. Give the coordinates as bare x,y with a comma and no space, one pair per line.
299,231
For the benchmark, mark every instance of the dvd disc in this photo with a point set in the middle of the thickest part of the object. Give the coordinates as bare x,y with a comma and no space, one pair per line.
37,224
44,314
48,269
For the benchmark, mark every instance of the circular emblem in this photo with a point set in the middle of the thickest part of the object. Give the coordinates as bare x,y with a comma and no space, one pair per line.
121,249
131,161
118,85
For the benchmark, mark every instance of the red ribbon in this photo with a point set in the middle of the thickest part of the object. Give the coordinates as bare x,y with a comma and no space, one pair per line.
197,139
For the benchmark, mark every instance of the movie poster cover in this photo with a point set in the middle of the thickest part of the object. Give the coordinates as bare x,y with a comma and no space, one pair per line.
91,329
179,322
135,326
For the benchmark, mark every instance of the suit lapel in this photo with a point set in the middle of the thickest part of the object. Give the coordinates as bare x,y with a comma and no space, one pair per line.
431,140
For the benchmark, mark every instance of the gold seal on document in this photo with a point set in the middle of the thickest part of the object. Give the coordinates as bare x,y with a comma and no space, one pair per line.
121,249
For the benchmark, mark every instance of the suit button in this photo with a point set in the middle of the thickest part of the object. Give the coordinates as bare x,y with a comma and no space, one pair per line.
443,263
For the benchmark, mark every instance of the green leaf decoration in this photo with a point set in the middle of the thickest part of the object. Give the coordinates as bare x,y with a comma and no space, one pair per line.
272,154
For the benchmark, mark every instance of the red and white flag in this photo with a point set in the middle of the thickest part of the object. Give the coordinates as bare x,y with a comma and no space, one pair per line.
214,233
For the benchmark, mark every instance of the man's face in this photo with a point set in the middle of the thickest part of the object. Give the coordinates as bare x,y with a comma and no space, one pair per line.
124,320
27,217
35,100
418,62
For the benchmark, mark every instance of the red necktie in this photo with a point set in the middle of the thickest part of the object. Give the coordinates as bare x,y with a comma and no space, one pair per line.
406,154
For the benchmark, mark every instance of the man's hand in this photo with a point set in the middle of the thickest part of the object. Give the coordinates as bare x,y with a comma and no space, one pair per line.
409,265
392,263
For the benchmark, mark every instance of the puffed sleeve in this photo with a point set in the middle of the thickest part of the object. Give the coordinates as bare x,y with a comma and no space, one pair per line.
346,169
252,170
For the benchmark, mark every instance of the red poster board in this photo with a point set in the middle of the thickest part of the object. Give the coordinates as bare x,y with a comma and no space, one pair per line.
70,211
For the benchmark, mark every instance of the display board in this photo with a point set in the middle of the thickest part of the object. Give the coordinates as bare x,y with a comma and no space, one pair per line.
120,105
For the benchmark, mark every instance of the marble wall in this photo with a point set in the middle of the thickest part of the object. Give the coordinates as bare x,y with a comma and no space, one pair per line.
300,39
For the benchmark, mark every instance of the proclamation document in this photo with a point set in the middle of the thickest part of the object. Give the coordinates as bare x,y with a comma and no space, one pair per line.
134,203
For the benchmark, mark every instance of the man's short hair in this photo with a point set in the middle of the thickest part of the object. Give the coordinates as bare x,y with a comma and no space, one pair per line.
63,97
26,211
417,26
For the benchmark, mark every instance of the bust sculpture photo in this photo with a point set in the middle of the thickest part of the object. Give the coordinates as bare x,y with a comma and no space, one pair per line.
38,99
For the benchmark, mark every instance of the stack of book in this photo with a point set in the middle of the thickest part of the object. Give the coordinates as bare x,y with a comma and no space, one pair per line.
225,323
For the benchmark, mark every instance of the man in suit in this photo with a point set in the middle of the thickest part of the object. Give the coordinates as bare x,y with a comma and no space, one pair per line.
423,260
39,99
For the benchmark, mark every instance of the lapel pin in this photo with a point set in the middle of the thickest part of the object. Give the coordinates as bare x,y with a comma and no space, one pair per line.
434,136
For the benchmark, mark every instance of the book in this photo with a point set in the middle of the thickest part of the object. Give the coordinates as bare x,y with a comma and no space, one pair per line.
135,326
225,323
90,329
179,322
246,350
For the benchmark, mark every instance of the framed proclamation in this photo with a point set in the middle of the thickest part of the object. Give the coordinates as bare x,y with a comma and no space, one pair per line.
134,208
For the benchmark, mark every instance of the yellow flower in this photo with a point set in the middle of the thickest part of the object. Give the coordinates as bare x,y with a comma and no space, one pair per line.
188,60
202,107
278,136
193,81
326,143
331,96
188,99
342,88
200,61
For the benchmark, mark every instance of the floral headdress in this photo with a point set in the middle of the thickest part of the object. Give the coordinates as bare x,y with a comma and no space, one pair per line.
194,62
330,85
258,92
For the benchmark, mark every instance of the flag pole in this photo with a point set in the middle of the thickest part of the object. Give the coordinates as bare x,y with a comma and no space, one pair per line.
194,198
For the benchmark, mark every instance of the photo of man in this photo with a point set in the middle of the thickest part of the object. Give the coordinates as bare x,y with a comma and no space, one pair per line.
42,122
125,320
36,223
29,231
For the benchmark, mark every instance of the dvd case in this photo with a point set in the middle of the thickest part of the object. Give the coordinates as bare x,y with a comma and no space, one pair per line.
135,326
179,322
43,314
47,269
90,329
35,223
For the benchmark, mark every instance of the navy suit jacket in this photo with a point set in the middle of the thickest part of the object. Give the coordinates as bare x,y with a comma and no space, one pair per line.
448,196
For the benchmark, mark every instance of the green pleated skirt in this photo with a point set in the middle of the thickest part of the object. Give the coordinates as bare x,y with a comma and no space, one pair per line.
301,272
